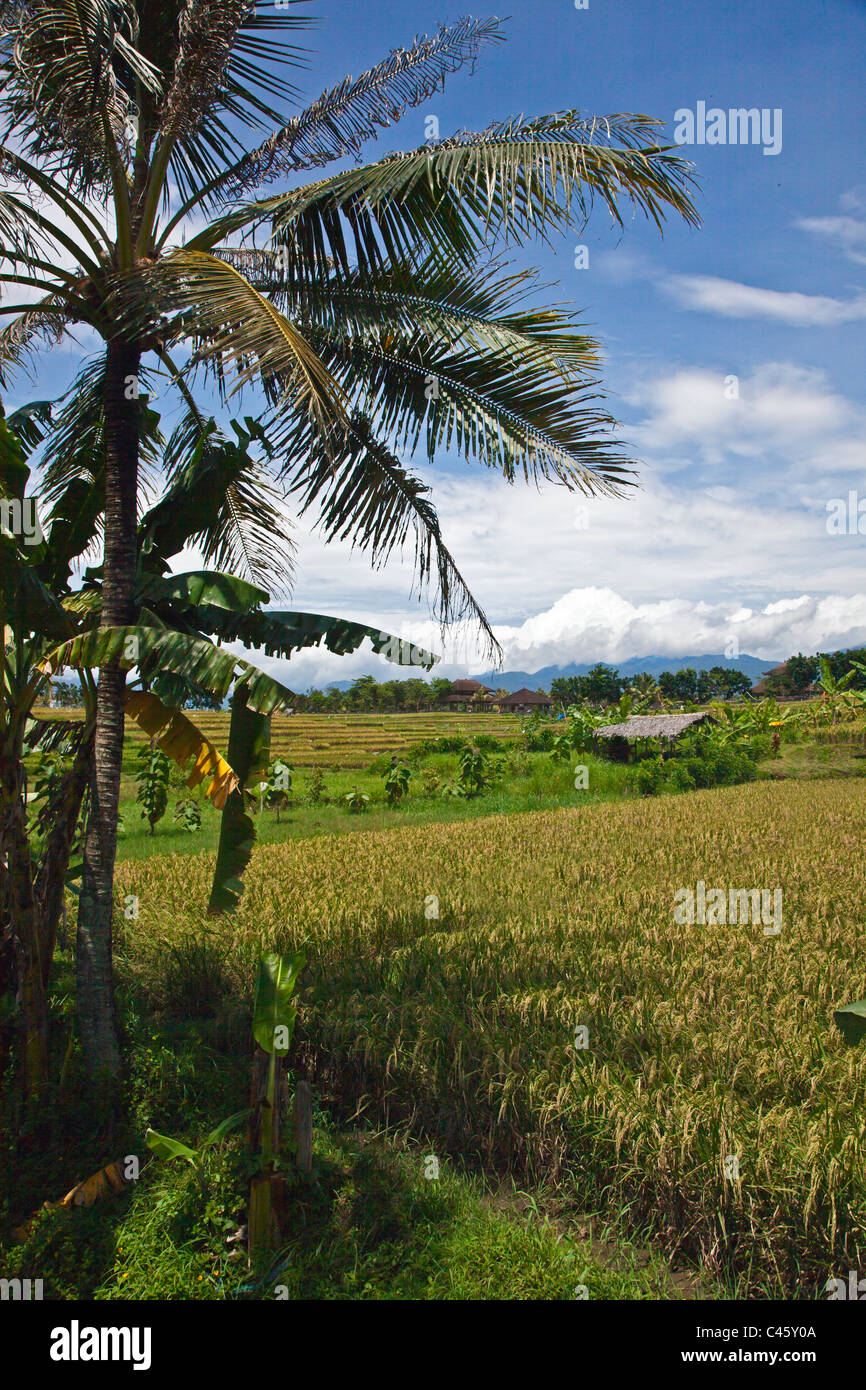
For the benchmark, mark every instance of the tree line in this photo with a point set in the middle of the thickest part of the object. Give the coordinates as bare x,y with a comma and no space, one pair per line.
603,685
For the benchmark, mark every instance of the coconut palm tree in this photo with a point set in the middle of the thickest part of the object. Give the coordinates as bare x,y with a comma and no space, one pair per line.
132,202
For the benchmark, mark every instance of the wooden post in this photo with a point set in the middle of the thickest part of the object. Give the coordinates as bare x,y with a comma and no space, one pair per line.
304,1126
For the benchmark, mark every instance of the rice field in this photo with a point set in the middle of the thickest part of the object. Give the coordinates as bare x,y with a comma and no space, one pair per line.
518,990
343,740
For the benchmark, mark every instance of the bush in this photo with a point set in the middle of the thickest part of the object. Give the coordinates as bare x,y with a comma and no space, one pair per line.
650,777
316,787
680,779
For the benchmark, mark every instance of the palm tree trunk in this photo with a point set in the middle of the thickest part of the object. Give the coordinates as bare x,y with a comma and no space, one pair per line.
51,878
19,908
95,986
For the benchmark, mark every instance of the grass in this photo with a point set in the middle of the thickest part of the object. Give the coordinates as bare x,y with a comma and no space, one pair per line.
372,1220
543,785
704,1042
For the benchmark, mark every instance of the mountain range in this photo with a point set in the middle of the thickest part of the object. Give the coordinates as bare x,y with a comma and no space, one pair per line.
540,680
751,666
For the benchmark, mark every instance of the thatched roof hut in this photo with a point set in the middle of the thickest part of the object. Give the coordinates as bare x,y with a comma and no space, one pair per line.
467,692
524,699
666,726
646,726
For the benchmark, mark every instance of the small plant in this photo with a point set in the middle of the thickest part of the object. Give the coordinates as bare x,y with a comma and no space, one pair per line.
429,782
518,764
187,814
397,782
274,1014
651,777
168,1149
279,786
453,789
316,787
561,749
357,801
477,770
152,782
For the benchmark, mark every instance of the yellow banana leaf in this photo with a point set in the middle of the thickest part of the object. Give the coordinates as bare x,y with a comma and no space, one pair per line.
102,1184
180,740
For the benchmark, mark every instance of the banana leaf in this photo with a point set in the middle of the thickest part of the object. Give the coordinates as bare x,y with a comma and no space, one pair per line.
180,740
272,1002
248,753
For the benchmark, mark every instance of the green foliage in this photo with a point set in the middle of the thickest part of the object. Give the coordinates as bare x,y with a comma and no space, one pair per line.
152,780
274,1011
356,801
650,777
477,771
397,783
712,766
561,749
169,1149
278,792
316,787
187,814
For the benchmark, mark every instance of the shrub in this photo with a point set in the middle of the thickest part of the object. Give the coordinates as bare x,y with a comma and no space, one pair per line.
152,779
650,777
316,787
397,782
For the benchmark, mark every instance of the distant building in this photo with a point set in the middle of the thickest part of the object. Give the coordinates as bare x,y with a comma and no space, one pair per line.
774,682
468,693
524,700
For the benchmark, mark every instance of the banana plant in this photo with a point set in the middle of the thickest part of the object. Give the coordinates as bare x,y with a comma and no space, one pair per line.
836,694
169,1149
274,1014
397,782
215,499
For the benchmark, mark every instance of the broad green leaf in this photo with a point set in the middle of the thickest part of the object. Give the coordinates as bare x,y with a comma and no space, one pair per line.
851,1021
167,1148
203,587
226,1127
160,648
248,754
272,1005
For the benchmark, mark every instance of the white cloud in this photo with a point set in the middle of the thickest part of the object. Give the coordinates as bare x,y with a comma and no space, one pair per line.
778,407
846,231
599,624
712,295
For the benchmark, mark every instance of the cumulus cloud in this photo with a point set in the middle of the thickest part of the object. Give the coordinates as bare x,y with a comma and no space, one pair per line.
778,407
597,623
712,295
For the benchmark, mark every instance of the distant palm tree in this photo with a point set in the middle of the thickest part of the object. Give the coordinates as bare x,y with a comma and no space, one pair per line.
375,315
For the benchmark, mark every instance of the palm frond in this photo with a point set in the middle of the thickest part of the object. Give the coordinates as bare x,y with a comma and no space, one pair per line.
518,181
69,87
220,499
361,492
45,323
240,335
482,309
344,118
225,63
75,448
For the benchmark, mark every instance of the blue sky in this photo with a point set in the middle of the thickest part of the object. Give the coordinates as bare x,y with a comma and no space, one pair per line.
727,539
